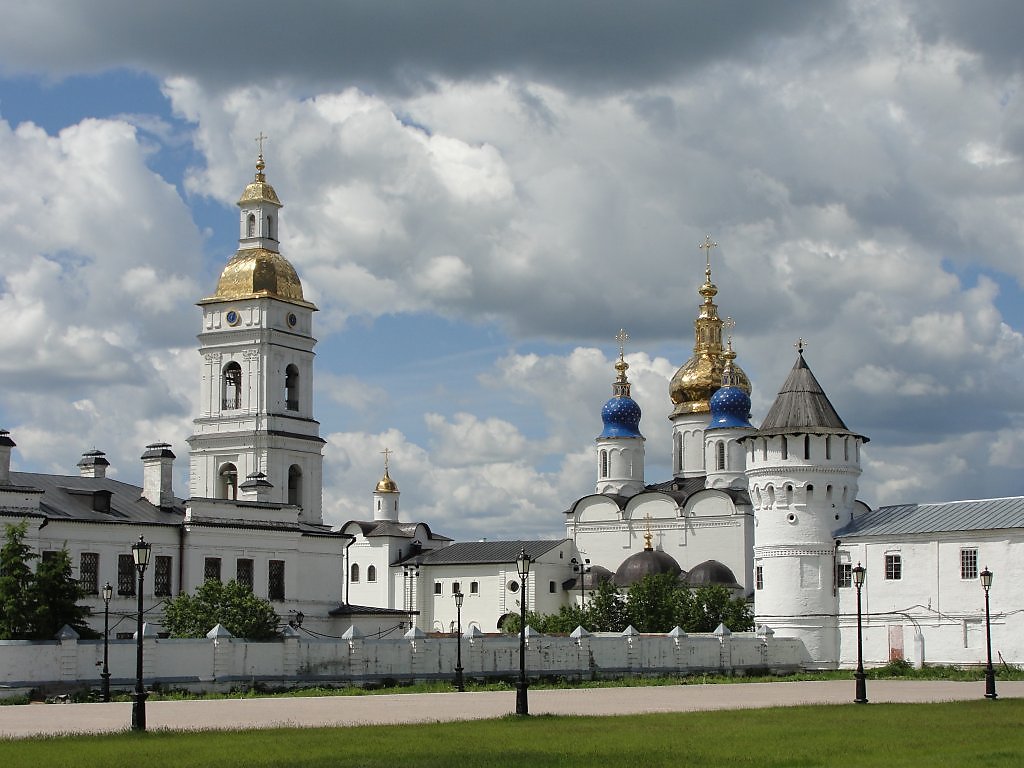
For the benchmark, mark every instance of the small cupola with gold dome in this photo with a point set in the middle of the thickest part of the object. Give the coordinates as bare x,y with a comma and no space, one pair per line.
385,495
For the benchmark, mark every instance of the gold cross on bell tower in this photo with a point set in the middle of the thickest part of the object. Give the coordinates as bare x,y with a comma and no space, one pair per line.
800,345
706,246
259,140
622,337
387,454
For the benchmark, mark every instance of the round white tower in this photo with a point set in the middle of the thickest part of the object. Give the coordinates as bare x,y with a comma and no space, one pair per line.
697,380
802,468
620,446
724,456
385,495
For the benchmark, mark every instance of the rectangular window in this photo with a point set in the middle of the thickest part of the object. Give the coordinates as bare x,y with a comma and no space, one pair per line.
211,569
456,587
275,582
893,567
844,575
162,576
551,587
89,573
759,575
125,575
474,587
969,563
437,587
49,555
244,571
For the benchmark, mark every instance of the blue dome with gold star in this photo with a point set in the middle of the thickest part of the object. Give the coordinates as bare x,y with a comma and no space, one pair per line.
730,407
621,417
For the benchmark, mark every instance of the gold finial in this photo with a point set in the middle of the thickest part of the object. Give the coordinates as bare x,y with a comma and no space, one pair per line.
706,246
622,337
260,165
800,345
648,536
729,324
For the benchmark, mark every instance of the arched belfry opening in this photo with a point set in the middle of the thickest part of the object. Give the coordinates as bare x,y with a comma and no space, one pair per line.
250,225
295,485
231,390
228,482
291,388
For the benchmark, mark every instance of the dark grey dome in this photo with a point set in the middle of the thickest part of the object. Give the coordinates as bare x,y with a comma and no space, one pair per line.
592,579
712,572
649,562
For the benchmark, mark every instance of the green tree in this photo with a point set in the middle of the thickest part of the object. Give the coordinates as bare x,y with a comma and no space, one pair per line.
607,611
233,605
55,599
656,603
712,605
16,596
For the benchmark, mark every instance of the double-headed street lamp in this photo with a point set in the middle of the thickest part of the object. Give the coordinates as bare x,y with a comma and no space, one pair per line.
862,693
459,682
582,568
523,566
990,673
108,592
141,551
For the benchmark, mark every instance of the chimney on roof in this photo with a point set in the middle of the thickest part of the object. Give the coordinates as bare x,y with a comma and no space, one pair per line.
256,487
157,466
5,457
93,464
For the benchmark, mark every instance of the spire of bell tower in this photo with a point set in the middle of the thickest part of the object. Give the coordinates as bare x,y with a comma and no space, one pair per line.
259,206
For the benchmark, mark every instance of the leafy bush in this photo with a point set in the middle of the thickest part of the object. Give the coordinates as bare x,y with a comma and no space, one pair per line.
232,605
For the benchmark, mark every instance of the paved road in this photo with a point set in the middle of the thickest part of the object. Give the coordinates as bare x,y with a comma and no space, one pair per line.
50,719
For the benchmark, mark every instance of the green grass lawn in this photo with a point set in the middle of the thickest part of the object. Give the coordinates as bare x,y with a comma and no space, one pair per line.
975,733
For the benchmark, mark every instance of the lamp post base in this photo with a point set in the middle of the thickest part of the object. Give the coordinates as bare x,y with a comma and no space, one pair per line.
862,689
522,705
139,710
990,683
460,683
106,685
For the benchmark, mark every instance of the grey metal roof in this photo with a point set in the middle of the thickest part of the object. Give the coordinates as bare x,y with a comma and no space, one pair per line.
802,406
680,489
398,530
68,497
979,514
477,552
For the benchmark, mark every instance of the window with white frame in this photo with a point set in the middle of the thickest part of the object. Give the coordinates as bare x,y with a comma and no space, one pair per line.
969,563
844,575
759,577
893,567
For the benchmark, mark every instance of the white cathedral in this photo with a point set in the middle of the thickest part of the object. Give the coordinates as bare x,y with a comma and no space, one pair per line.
770,512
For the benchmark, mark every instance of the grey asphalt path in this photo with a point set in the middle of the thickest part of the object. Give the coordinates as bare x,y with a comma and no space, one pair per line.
225,714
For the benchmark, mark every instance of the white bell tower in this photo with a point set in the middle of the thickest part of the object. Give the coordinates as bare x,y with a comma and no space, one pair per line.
255,438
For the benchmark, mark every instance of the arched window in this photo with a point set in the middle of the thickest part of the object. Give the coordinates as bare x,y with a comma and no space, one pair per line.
604,463
810,494
785,447
232,386
250,226
677,451
270,227
828,447
371,573
846,449
789,494
720,456
291,388
354,573
295,485
807,447
228,477
764,449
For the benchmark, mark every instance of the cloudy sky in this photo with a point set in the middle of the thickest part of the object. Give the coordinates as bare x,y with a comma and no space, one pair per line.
479,195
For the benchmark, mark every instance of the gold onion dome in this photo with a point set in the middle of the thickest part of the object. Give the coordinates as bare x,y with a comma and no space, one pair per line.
386,484
700,377
259,190
255,272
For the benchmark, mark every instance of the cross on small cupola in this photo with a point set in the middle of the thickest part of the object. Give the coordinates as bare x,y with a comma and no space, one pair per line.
706,246
800,345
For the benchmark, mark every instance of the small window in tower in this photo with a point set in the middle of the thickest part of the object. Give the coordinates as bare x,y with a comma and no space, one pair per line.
677,451
807,447
785,447
764,449
828,447
295,485
759,577
604,463
810,494
291,388
353,573
228,482
250,226
846,449
371,573
232,386
270,227
720,456
378,505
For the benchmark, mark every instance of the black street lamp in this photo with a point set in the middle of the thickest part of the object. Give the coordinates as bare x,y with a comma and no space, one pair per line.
990,673
141,552
108,592
459,682
523,566
582,569
862,693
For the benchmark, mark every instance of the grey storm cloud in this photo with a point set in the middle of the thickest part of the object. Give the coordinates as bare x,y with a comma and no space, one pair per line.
586,44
